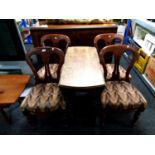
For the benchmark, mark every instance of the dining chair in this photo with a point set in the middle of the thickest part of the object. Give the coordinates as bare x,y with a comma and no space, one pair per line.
119,94
106,39
45,95
102,40
56,40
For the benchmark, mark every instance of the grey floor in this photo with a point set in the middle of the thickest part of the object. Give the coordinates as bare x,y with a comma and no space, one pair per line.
85,122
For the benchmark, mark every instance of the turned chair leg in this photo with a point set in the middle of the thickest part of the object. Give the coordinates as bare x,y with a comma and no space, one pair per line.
8,119
103,117
31,118
136,116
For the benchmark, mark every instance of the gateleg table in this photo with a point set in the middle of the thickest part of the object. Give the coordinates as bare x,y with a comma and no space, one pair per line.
82,73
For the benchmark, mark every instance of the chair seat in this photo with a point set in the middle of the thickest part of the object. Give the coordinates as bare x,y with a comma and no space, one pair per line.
121,94
53,70
43,97
110,68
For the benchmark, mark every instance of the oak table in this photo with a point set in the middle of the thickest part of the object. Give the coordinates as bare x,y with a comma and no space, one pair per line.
81,73
11,87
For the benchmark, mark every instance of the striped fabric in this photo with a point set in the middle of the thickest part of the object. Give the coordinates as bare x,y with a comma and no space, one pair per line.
43,97
121,94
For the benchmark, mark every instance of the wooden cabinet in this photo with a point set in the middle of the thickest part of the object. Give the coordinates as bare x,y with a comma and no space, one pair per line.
80,35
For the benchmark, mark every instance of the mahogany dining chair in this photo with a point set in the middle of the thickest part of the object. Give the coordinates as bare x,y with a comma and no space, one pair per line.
56,40
45,95
102,40
119,94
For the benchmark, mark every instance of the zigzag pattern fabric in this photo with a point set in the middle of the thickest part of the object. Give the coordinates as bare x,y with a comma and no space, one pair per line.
44,97
121,94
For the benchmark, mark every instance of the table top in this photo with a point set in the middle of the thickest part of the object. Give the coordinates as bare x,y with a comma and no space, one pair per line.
81,68
11,86
73,26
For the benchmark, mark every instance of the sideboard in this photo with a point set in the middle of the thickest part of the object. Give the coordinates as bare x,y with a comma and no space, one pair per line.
80,34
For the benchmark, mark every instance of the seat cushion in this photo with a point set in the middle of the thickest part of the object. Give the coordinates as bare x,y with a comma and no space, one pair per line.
110,68
53,70
121,94
43,97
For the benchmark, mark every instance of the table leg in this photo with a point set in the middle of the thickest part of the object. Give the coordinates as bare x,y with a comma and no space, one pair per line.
99,113
68,96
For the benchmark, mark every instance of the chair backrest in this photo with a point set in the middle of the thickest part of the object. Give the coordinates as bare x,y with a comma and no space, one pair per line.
44,54
117,52
106,39
56,40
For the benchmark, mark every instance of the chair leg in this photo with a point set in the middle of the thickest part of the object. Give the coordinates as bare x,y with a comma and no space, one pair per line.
8,119
136,116
65,118
104,116
31,118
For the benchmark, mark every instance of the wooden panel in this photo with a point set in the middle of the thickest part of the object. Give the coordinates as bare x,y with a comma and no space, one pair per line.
11,86
81,68
80,35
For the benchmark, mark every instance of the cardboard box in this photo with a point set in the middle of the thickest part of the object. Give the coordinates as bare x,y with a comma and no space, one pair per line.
150,70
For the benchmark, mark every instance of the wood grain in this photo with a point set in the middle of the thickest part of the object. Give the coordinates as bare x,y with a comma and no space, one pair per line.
81,68
11,86
80,34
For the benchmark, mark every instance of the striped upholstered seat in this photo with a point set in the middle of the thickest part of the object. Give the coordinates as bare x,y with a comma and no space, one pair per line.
121,94
44,97
118,92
